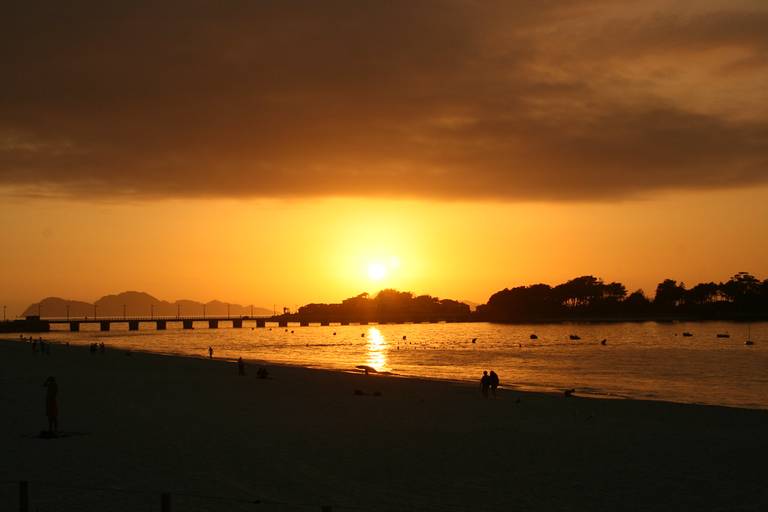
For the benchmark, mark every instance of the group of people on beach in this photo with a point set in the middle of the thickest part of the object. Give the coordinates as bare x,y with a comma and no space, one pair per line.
489,382
45,348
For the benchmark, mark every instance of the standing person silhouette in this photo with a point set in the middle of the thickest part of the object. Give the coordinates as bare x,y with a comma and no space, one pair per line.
485,383
494,380
51,405
210,352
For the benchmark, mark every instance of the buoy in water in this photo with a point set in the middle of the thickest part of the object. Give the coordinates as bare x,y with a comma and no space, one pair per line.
474,340
574,337
604,342
749,342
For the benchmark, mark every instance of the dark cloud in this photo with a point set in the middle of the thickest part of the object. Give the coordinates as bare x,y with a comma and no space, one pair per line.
445,99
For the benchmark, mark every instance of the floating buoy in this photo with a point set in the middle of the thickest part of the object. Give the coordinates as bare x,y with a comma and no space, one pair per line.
334,333
574,337
604,342
749,342
687,334
474,340
534,337
405,337
362,335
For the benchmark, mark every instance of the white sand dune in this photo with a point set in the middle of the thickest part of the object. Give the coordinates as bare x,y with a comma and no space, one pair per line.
150,423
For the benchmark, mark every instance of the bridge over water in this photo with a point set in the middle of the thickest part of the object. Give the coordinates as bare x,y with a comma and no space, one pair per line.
214,322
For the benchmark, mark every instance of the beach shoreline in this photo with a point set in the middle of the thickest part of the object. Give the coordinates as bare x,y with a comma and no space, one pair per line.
542,389
147,423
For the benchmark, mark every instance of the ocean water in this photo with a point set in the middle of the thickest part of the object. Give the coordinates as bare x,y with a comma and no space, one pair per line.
650,361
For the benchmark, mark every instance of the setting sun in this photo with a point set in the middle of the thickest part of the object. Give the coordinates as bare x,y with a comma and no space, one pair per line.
377,271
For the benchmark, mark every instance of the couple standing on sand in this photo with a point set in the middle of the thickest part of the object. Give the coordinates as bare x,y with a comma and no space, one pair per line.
489,381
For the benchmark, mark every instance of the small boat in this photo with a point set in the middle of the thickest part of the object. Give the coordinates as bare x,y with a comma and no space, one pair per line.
687,334
749,336
723,335
534,337
574,337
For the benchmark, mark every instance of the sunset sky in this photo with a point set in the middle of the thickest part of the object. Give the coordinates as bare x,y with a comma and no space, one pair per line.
295,151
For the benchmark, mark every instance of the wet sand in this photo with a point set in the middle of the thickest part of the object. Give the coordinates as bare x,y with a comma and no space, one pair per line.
139,425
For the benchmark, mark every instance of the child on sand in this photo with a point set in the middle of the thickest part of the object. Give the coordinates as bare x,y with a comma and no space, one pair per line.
51,405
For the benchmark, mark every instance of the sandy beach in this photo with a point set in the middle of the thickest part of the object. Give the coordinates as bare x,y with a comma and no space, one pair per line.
136,426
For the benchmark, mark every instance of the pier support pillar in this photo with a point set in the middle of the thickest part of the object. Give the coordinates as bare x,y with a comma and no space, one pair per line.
344,323
74,326
237,323
325,323
187,324
160,325
282,323
213,324
304,323
261,322
133,325
104,326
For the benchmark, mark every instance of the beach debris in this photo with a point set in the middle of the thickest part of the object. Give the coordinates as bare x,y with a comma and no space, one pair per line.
534,337
687,334
360,392
569,392
574,337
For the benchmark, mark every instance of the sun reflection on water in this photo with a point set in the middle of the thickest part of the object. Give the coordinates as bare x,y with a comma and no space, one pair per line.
377,350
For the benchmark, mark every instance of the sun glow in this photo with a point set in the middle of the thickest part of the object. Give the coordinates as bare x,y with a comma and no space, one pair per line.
377,271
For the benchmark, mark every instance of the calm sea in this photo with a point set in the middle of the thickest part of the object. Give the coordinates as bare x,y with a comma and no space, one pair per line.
651,361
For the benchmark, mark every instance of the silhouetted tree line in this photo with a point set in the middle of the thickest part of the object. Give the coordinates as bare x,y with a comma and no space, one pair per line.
587,297
387,306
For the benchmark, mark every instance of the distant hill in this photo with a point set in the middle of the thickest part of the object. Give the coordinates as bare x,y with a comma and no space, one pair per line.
137,304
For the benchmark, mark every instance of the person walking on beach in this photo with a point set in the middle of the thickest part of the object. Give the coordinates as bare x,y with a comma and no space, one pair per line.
210,352
485,383
51,405
494,380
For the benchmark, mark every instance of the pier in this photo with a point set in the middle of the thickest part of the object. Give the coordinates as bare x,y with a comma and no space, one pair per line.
161,323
